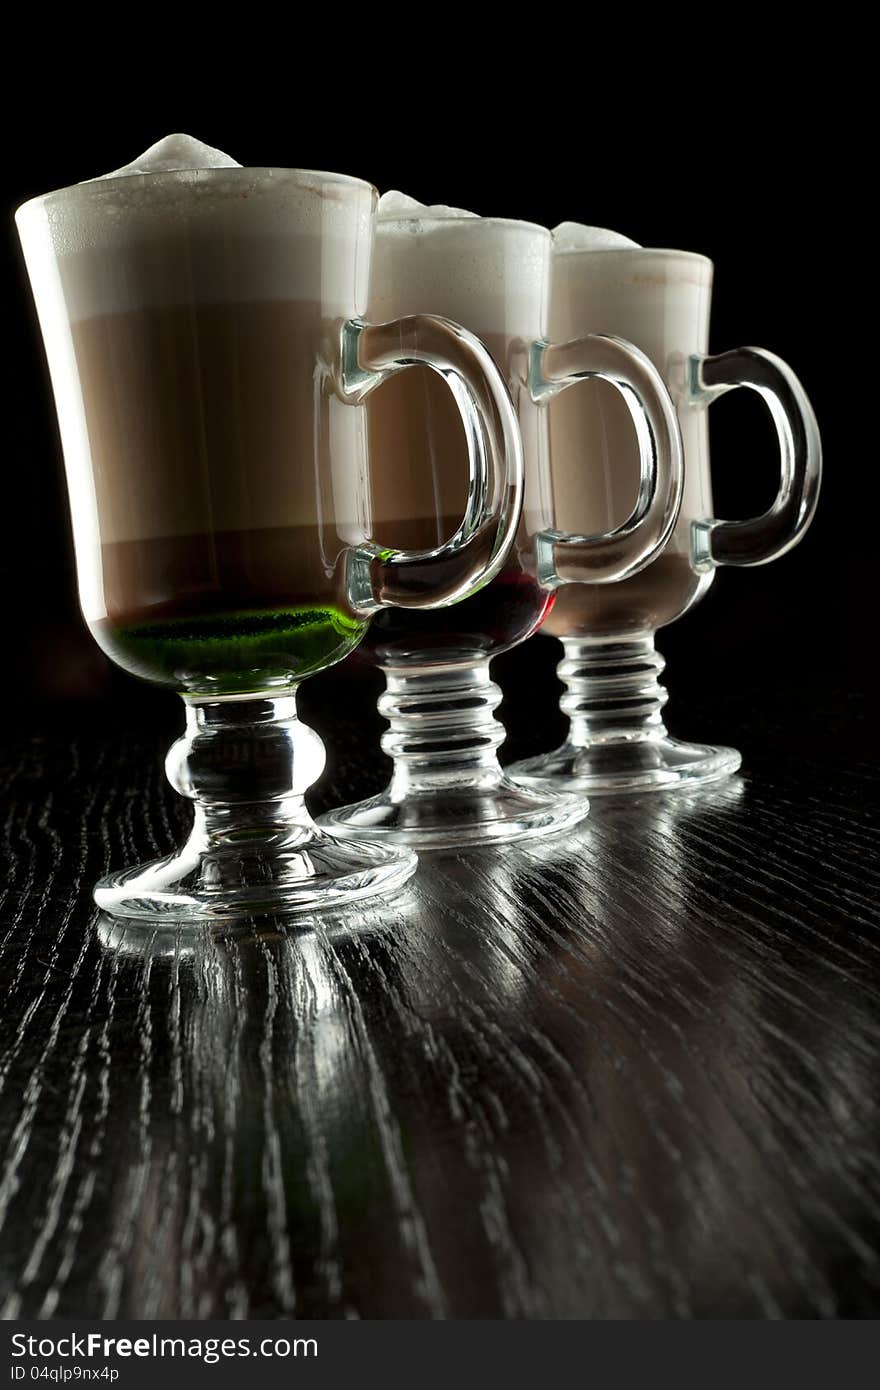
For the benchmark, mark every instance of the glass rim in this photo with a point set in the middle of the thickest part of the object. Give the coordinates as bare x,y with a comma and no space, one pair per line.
318,179
667,252
403,218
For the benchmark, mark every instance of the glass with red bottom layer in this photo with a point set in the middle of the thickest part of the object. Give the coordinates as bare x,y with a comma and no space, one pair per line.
447,787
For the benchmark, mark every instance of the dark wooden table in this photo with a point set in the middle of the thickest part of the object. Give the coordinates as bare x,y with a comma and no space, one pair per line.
628,1073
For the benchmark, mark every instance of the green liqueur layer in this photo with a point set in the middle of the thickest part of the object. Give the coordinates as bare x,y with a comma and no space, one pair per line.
237,651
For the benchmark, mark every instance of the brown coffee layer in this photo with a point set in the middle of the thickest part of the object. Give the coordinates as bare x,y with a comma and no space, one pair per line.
659,594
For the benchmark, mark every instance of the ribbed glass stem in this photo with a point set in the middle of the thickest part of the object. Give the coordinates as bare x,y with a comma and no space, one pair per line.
613,694
443,729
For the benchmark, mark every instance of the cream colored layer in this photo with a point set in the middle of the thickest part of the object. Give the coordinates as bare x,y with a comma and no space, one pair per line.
198,263
490,275
660,301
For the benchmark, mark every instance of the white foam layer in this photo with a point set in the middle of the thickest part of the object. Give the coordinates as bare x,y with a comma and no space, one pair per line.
182,186
184,223
623,262
576,236
491,274
174,152
658,300
396,206
626,271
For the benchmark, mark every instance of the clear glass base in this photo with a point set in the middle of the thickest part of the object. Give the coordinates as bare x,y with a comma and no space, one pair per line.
626,767
457,817
618,741
179,937
448,790
254,849
209,882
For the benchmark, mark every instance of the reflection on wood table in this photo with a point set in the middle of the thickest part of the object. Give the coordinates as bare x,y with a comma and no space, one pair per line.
628,1072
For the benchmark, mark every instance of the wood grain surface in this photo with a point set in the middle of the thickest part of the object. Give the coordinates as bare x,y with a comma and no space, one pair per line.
630,1072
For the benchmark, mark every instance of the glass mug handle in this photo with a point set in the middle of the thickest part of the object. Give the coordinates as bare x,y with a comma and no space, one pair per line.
763,538
601,559
475,553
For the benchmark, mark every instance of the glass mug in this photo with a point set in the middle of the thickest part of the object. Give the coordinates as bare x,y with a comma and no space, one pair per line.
661,299
447,786
209,368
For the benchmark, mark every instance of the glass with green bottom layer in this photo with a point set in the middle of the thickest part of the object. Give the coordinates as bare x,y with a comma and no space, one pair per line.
232,653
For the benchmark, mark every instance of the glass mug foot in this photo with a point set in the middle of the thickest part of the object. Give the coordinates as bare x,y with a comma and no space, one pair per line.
601,769
459,816
207,882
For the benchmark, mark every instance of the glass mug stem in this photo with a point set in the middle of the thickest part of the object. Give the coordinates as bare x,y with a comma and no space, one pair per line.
617,740
447,786
612,690
442,727
246,765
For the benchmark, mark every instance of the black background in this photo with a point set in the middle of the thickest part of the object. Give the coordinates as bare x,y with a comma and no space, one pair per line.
749,171
729,145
